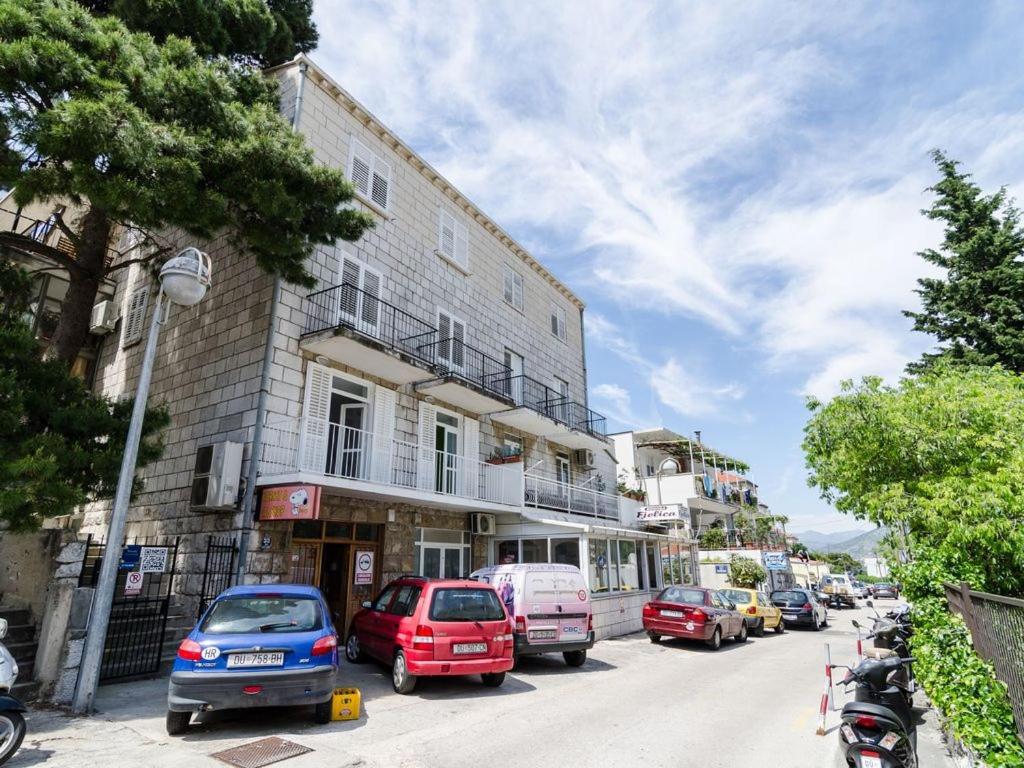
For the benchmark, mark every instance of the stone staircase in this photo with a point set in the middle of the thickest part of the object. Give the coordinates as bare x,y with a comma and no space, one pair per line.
21,643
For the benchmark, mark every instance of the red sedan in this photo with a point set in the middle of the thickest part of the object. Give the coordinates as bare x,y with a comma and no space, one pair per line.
694,613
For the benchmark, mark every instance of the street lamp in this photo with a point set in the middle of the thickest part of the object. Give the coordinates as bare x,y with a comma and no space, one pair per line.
184,280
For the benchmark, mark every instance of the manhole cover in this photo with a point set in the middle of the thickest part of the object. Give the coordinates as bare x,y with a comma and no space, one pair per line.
263,752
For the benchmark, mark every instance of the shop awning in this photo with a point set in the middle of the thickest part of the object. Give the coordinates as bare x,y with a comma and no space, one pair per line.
570,521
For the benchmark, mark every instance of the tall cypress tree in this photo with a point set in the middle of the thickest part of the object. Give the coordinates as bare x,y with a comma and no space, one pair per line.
976,311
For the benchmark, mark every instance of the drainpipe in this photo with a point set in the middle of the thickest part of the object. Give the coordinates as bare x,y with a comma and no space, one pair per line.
249,498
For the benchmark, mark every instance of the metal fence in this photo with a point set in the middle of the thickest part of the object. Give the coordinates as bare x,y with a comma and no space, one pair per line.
996,624
219,569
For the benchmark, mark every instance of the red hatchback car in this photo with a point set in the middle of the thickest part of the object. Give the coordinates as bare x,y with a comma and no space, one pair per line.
694,613
427,627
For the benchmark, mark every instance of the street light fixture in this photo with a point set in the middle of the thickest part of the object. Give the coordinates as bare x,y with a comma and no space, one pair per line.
184,280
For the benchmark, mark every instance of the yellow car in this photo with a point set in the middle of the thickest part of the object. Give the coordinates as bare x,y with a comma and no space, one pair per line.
757,610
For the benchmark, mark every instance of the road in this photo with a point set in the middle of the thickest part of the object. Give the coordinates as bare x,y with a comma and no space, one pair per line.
632,704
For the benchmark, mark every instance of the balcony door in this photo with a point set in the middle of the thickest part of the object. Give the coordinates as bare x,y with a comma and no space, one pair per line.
514,386
560,411
358,297
348,442
446,446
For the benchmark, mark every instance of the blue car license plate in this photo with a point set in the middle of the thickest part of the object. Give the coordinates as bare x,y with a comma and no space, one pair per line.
255,660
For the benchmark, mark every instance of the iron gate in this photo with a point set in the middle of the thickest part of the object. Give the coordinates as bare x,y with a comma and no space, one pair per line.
138,615
219,570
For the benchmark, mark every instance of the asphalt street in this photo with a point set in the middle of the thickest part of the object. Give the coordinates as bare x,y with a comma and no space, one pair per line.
633,703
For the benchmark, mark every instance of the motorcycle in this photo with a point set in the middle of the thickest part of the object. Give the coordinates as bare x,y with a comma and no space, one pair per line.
12,721
891,635
878,729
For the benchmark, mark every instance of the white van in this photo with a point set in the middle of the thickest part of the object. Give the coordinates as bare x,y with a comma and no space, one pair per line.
549,605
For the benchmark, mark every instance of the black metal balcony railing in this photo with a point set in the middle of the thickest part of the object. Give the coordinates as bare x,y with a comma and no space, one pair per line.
539,397
453,357
346,306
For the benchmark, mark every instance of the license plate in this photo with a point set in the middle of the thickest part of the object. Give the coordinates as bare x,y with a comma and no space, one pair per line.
673,614
543,634
470,648
870,762
255,660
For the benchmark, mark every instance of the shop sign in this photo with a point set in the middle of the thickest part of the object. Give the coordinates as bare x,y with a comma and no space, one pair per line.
775,561
722,568
133,583
364,567
153,560
659,513
130,556
290,502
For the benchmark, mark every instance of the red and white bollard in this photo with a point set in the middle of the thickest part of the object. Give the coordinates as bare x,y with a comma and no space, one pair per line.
826,697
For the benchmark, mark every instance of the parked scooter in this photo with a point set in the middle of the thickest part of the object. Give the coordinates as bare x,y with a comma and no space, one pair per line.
891,635
12,722
878,729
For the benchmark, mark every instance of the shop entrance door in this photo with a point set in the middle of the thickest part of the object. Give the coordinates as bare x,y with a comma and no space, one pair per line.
334,582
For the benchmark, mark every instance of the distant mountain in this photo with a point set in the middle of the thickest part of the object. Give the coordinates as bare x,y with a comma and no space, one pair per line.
858,544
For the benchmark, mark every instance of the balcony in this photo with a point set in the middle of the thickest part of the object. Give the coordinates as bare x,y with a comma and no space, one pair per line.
365,465
467,378
541,410
543,492
358,328
686,489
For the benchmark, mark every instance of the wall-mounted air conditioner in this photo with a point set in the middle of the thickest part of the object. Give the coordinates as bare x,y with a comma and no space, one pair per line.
104,318
482,524
584,458
215,480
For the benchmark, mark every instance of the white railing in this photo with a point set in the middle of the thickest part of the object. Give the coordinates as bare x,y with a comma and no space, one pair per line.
552,493
337,451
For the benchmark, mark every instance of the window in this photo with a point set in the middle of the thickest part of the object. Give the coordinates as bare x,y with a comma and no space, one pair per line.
652,565
135,314
599,565
381,603
452,240
514,384
466,604
629,565
441,554
513,288
565,551
358,298
370,174
508,552
558,322
405,602
535,550
560,409
263,614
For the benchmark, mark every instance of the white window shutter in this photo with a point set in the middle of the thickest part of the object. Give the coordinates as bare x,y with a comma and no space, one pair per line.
380,184
444,336
348,297
316,414
446,234
517,290
370,300
471,457
458,340
461,246
428,446
384,401
360,164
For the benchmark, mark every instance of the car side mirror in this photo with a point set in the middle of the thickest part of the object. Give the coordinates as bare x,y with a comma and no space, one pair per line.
3,628
367,604
732,606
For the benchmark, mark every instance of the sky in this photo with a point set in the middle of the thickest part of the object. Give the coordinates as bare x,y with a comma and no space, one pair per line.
733,188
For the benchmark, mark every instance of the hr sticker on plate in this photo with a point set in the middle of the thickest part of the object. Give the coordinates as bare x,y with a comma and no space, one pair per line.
211,653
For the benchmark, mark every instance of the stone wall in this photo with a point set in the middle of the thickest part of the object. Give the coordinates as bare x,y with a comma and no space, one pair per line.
27,563
619,614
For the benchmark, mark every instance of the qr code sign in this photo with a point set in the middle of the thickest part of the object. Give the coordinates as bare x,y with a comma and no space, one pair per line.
153,560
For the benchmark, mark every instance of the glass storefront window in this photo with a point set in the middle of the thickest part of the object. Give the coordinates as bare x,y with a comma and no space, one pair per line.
629,566
566,551
535,550
366,532
598,565
306,529
508,552
334,530
439,553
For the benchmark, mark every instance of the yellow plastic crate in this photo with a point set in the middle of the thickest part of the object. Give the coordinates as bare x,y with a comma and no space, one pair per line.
345,704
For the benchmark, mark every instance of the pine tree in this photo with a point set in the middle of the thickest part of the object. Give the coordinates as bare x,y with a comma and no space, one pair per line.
976,311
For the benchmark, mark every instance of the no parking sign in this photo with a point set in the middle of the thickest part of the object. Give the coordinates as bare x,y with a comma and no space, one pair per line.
133,583
364,567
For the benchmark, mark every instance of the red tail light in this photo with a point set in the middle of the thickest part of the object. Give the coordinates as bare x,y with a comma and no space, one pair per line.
806,607
423,640
869,753
752,610
866,721
649,610
325,645
698,615
590,622
521,625
190,650
507,637
252,690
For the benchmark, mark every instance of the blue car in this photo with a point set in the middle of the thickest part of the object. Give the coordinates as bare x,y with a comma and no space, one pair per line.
256,646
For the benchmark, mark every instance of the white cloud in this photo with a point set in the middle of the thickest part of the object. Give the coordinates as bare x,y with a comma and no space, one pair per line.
615,402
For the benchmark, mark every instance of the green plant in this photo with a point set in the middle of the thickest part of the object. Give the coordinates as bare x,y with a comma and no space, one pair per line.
744,572
713,538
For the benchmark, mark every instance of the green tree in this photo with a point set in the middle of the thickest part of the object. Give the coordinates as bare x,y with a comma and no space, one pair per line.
61,445
154,136
839,562
744,572
713,538
975,309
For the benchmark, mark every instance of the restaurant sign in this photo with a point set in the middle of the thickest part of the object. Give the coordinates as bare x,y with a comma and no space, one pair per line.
662,513
290,502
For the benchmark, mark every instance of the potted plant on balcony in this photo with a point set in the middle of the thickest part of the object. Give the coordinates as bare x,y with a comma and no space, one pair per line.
630,492
506,455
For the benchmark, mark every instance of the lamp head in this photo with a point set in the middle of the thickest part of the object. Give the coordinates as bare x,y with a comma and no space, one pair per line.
185,277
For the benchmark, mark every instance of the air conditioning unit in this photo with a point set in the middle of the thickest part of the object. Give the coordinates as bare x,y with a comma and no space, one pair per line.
585,458
216,476
482,524
104,318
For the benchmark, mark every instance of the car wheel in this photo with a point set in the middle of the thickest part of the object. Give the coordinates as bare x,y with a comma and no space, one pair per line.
12,731
177,722
716,640
824,621
322,713
575,658
493,679
654,638
780,627
759,628
401,680
353,651
741,636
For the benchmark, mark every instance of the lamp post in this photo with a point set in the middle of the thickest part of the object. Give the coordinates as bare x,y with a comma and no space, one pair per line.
184,280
